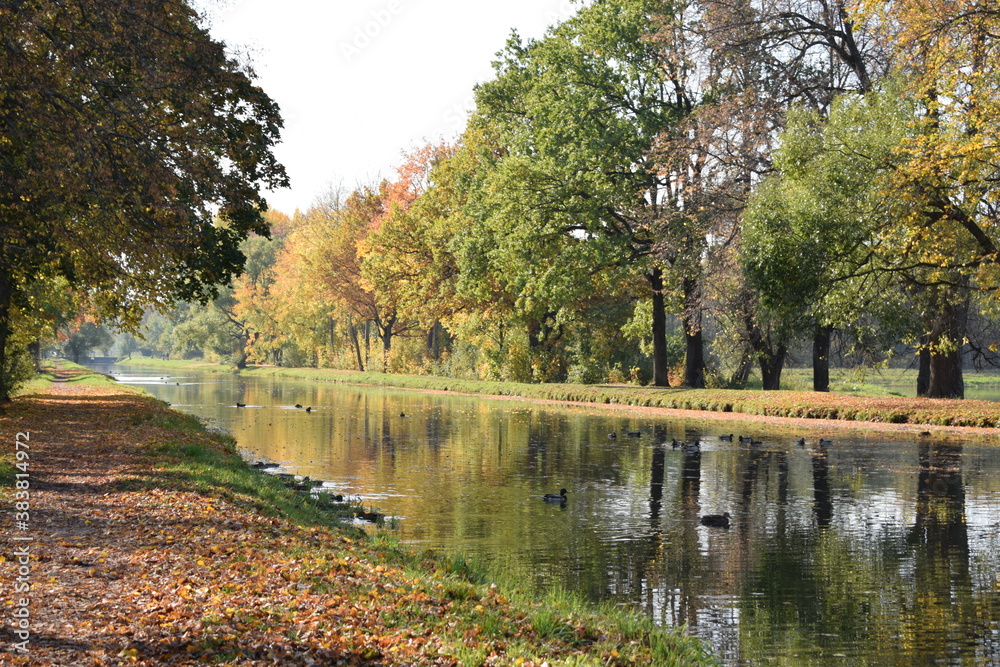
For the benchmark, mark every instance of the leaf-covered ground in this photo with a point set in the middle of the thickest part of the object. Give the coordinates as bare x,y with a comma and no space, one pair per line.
149,546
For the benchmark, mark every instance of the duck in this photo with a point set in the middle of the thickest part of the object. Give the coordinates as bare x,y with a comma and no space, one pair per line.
555,498
263,465
744,438
691,447
612,436
823,442
727,438
633,434
372,517
298,406
402,414
674,443
716,520
309,409
241,405
801,442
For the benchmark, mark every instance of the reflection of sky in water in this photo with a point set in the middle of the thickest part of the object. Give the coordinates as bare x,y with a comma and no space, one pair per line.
466,474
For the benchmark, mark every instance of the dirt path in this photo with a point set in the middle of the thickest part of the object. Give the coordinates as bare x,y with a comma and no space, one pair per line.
127,576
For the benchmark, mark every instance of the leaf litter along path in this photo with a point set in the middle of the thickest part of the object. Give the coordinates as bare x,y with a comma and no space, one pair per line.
168,577
123,572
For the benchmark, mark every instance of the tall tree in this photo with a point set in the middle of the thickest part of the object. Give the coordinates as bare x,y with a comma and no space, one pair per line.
329,245
810,236
754,61
947,227
574,116
125,130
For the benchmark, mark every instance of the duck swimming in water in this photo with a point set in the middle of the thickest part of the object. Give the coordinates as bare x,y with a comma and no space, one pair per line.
716,520
554,498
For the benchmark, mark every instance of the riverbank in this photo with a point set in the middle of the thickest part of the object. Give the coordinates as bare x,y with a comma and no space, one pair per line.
152,542
809,405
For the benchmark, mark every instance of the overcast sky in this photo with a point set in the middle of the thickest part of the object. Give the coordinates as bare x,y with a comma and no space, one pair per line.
361,81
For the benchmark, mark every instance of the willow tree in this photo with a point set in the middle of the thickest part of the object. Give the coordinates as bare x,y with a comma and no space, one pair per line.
124,131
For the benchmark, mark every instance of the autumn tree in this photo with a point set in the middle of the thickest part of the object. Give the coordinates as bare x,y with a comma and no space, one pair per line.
80,337
407,258
328,246
124,131
946,229
253,302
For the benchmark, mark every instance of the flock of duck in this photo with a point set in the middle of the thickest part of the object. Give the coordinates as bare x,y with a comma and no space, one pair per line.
710,520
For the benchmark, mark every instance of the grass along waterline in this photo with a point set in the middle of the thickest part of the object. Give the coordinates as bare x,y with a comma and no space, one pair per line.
875,407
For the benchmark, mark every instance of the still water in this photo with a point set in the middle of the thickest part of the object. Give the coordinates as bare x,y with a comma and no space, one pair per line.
870,550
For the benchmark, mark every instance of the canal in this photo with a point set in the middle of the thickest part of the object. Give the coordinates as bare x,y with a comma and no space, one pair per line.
870,549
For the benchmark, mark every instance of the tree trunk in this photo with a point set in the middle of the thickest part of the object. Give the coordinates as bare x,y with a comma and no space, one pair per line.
694,346
771,364
655,278
923,367
368,343
353,333
946,375
35,349
434,342
770,355
821,358
946,340
385,333
742,374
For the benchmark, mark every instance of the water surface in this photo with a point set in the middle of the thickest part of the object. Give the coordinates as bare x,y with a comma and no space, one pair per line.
870,550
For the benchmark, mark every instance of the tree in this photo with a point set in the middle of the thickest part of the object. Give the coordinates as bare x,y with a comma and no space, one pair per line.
810,234
82,335
328,246
748,62
571,190
950,203
124,130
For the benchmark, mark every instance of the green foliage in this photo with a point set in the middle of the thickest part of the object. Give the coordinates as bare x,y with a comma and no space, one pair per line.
81,339
811,235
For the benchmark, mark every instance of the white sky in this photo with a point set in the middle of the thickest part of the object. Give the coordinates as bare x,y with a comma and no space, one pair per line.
361,81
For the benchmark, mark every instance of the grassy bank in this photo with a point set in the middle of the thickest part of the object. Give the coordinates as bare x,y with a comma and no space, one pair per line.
163,546
802,404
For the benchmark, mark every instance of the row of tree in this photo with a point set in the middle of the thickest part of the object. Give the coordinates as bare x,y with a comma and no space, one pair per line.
662,188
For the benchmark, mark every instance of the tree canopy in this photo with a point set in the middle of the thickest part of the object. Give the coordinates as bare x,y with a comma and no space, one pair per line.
133,150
